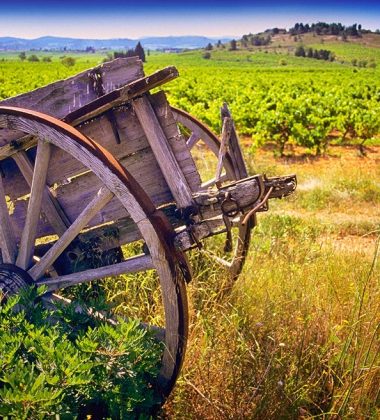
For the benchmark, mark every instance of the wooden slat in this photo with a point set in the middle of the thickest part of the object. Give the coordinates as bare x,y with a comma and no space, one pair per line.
34,207
50,207
235,150
122,95
164,154
99,201
62,97
226,134
131,265
7,238
192,140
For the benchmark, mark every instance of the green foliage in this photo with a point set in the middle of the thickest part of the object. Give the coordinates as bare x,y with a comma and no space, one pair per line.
65,362
68,61
33,58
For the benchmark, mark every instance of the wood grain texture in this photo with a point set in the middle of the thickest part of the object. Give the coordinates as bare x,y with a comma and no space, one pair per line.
29,232
7,238
129,266
224,144
164,154
235,149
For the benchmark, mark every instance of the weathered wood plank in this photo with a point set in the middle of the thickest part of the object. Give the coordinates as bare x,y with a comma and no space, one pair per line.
7,238
103,197
131,265
164,154
226,134
60,98
235,149
29,232
121,95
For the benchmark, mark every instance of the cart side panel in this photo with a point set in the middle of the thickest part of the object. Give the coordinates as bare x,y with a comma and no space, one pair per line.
74,187
64,96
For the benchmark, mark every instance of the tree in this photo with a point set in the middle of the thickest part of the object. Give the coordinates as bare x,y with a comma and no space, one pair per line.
208,47
233,45
33,58
300,51
68,61
22,56
139,51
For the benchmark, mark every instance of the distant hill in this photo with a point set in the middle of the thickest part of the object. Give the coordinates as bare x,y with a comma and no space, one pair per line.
74,44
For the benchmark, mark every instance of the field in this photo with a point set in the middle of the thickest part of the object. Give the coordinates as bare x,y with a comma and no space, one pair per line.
299,335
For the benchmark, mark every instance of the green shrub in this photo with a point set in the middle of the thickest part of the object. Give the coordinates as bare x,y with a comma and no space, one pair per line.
68,61
69,363
33,58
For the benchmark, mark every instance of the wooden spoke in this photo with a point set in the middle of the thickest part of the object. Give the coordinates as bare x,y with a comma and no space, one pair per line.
51,207
102,198
7,239
131,265
219,260
212,182
34,207
192,140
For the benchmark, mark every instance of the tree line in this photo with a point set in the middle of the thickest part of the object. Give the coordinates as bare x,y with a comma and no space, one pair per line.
314,53
323,28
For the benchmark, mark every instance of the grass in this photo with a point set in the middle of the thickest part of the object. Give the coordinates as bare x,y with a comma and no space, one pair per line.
299,335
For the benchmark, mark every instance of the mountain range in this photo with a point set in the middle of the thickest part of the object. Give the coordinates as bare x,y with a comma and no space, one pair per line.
60,43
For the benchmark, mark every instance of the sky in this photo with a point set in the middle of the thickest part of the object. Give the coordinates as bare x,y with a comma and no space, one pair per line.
135,19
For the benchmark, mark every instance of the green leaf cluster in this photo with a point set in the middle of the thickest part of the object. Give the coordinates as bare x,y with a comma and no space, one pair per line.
50,366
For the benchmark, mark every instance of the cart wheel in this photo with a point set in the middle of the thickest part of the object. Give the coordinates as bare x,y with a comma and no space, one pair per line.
196,132
18,256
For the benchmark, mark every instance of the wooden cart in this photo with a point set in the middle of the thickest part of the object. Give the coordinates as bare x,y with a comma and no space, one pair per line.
94,162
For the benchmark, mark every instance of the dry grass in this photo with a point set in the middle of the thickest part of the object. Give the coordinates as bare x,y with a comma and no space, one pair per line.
299,335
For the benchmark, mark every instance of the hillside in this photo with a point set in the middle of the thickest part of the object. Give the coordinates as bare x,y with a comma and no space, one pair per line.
54,43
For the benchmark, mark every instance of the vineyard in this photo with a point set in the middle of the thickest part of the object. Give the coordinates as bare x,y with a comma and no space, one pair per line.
274,97
298,336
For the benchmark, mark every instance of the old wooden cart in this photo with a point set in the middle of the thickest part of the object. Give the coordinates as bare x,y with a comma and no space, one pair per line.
95,162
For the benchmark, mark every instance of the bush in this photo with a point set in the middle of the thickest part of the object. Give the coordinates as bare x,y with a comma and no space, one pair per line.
74,365
33,58
68,61
206,55
46,59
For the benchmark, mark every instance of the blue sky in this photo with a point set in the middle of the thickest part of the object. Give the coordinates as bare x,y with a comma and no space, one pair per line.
133,19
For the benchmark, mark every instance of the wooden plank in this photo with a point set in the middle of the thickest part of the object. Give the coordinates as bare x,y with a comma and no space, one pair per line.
29,232
50,206
164,154
235,150
7,238
226,134
62,97
129,266
103,197
119,96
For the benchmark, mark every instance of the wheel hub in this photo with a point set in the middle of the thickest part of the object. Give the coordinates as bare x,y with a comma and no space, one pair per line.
13,279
